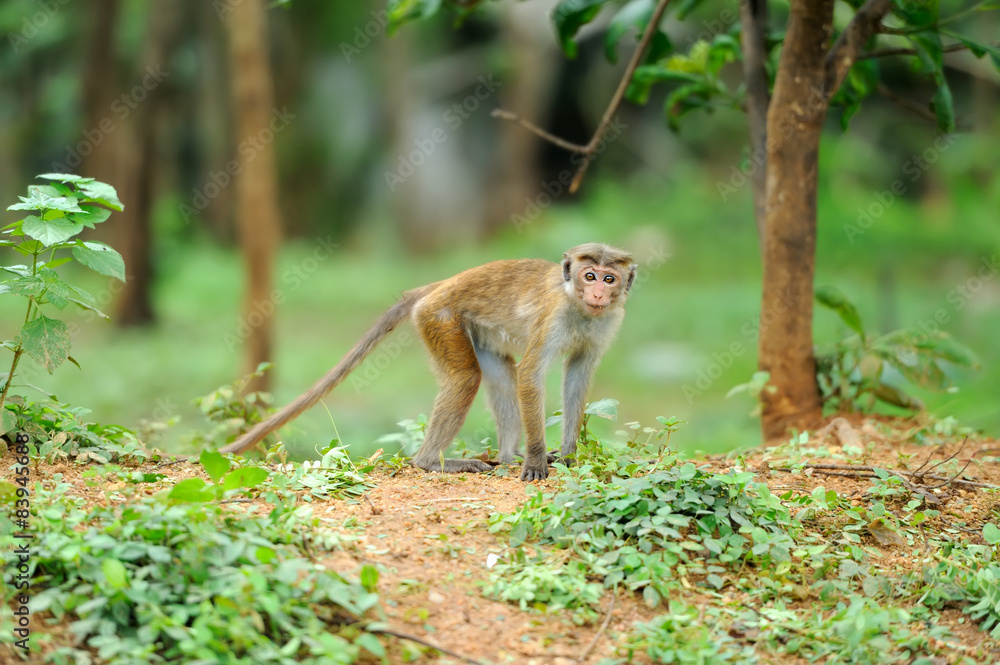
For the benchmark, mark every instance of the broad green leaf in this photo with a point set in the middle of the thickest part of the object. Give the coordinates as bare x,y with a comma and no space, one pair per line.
369,578
46,341
979,49
371,644
100,192
50,232
39,198
92,215
65,177
191,490
569,16
927,44
115,573
943,107
244,478
723,49
944,346
833,299
8,421
100,258
635,14
892,395
991,533
214,463
603,408
403,11
683,99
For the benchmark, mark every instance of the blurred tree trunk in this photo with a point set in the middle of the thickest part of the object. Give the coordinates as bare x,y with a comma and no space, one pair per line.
257,216
794,125
527,91
138,155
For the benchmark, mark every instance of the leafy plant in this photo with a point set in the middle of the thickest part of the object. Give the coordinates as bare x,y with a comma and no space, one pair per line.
225,480
184,583
62,210
546,585
334,475
851,375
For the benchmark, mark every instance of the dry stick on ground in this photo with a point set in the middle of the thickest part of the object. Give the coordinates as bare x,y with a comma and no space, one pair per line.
869,472
590,149
949,458
600,631
420,640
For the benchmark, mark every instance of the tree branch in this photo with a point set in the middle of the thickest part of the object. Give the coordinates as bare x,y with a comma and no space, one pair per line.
885,52
590,149
753,17
842,56
908,104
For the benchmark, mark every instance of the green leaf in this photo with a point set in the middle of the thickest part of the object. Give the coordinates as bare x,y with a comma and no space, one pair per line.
833,299
635,14
100,192
927,44
115,573
50,232
92,215
191,490
603,408
100,258
244,478
214,463
404,11
8,421
369,578
944,346
991,533
371,644
46,341
40,198
65,177
943,107
683,99
569,16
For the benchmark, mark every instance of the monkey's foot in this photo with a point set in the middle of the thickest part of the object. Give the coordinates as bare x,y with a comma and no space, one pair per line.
534,471
455,466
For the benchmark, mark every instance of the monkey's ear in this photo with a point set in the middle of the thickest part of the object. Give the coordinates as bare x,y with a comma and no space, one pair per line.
567,261
631,277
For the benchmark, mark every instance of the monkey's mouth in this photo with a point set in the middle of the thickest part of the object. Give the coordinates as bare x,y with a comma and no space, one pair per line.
595,309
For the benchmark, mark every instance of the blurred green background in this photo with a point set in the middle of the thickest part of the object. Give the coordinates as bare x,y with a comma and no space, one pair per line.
360,107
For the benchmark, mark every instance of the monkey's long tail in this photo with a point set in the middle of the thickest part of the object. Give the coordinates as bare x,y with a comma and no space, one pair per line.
385,325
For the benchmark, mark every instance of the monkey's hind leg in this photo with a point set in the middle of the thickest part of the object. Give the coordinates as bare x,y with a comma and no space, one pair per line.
500,374
459,375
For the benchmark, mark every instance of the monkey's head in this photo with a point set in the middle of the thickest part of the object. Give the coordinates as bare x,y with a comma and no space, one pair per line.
600,276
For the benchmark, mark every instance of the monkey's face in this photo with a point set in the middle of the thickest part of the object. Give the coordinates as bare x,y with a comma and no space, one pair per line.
598,287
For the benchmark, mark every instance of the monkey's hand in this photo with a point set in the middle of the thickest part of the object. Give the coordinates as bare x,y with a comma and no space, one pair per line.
534,470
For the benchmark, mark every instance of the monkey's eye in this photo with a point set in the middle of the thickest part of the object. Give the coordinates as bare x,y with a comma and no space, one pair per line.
609,279
590,277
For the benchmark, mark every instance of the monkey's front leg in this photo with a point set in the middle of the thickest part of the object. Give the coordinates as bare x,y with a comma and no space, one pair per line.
576,381
531,396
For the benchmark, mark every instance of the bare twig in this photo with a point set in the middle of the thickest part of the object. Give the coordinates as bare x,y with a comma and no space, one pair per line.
951,457
538,131
451,498
419,640
859,471
590,149
885,52
908,104
600,631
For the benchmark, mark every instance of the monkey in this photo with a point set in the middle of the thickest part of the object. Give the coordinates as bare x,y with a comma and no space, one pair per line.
473,325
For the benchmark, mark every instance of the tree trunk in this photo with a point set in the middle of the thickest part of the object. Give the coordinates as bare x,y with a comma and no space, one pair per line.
257,216
794,125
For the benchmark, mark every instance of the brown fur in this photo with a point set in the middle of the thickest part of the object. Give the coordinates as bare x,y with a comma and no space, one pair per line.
473,325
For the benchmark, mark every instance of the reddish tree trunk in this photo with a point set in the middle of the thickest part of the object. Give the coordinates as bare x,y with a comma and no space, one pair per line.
257,216
794,125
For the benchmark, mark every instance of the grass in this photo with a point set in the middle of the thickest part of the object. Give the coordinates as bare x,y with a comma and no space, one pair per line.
684,318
